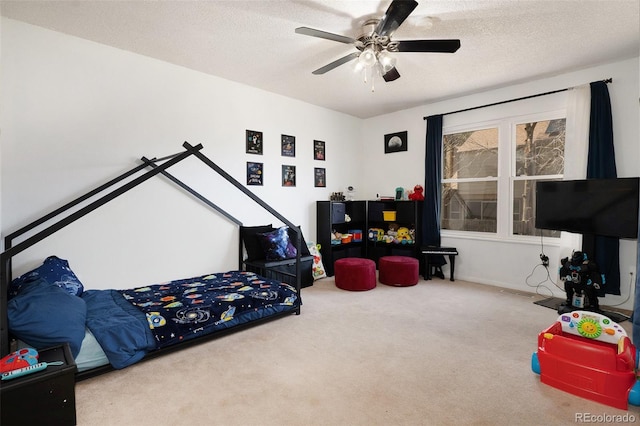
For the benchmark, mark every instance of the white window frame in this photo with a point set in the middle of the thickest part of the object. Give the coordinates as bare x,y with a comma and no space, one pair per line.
506,124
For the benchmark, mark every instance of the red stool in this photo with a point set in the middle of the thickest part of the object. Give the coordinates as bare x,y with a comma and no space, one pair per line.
399,271
355,274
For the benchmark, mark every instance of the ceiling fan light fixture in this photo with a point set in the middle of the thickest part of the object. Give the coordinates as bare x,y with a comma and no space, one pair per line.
368,57
387,61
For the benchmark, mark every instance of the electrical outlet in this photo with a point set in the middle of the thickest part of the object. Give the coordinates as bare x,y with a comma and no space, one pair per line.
544,259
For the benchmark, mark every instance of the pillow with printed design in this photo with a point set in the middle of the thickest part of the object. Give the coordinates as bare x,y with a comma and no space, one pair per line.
54,271
276,244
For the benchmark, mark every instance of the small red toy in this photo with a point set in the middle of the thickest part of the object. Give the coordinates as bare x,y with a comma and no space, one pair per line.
417,194
587,354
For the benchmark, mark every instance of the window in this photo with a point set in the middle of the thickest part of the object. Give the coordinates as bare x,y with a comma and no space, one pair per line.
470,180
539,156
490,172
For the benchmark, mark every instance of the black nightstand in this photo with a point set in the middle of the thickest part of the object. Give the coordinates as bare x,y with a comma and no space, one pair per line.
43,398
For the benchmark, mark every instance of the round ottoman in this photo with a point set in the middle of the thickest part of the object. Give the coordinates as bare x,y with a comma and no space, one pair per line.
355,274
399,271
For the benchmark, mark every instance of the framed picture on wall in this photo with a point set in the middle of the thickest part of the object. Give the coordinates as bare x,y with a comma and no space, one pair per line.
254,142
288,175
318,150
395,142
288,146
255,173
319,177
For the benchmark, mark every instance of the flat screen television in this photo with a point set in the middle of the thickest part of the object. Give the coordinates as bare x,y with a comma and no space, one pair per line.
607,207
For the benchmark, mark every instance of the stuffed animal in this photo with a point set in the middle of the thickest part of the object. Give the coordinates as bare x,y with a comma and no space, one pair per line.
417,194
403,236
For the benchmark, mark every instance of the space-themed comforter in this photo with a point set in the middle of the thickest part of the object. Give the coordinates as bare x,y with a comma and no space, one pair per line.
156,316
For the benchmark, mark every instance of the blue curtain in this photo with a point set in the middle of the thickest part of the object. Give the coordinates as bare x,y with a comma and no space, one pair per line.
432,190
601,164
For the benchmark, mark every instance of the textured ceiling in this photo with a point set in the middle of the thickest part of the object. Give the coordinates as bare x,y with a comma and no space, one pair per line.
253,42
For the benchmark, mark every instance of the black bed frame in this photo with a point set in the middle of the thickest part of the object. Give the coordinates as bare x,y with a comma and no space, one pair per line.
155,169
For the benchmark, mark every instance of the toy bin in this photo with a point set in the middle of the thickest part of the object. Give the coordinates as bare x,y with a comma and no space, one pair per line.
389,216
356,235
338,211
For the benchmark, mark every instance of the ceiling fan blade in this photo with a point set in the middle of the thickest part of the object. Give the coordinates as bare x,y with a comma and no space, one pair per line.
398,11
336,63
391,75
441,46
323,34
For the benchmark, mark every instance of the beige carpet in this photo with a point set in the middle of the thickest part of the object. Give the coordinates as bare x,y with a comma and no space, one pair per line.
438,353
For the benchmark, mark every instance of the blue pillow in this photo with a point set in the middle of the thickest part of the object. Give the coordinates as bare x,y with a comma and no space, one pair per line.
53,270
276,244
44,315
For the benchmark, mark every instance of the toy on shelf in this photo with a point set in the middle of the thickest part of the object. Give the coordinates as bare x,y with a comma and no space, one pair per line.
394,235
356,235
351,193
391,234
417,194
375,234
587,354
337,196
403,236
346,238
336,238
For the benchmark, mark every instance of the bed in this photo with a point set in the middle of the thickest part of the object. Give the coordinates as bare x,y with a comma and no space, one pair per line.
49,306
113,329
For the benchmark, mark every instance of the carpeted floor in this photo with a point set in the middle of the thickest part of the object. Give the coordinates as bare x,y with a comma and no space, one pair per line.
438,353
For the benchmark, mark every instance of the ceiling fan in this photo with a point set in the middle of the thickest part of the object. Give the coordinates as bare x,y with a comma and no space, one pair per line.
375,44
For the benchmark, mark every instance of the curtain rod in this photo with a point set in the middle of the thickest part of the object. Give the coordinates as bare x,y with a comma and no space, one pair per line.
608,80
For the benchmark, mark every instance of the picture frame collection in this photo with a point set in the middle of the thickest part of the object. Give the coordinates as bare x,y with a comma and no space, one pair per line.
254,144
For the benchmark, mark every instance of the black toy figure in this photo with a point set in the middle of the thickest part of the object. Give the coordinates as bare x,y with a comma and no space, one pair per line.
582,279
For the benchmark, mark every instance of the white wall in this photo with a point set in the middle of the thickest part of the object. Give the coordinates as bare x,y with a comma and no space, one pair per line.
509,262
76,113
